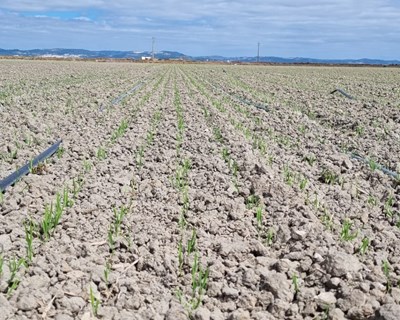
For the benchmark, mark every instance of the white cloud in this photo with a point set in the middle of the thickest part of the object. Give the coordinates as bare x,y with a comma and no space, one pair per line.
324,28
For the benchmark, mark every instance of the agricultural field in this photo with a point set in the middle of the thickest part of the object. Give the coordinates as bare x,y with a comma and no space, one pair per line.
202,192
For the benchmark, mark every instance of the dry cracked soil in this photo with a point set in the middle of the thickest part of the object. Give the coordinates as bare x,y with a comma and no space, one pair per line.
201,192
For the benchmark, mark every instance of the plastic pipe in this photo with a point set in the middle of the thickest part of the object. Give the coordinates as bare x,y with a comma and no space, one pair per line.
14,177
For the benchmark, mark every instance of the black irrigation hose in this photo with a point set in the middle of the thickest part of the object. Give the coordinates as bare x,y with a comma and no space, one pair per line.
14,177
343,93
122,96
380,167
248,102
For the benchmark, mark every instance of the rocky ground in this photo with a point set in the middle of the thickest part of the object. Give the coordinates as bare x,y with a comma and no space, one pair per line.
200,191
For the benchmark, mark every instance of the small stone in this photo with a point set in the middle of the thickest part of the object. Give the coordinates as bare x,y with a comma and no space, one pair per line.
230,292
239,315
202,314
389,312
299,234
336,314
250,278
176,312
277,284
27,303
339,264
325,298
333,283
6,309
396,294
347,164
217,315
318,257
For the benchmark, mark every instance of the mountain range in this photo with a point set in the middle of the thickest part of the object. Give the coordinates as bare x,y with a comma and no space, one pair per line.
169,55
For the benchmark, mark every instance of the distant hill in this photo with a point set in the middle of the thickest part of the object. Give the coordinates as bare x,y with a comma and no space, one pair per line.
168,55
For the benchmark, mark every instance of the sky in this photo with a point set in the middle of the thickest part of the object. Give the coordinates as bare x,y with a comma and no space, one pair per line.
324,29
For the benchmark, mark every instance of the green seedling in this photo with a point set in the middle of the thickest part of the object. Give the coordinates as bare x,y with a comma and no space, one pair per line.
345,233
140,156
302,129
206,113
118,218
373,165
77,184
252,201
289,176
270,160
270,237
191,245
234,168
310,159
179,295
372,200
110,238
1,197
327,220
1,264
29,228
199,282
225,154
329,177
14,154
364,245
386,272
67,202
60,152
295,282
46,222
94,302
150,138
120,131
388,206
303,183
101,153
247,133
259,217
31,167
87,166
28,140
107,271
360,130
14,265
186,166
181,124
180,256
185,199
218,135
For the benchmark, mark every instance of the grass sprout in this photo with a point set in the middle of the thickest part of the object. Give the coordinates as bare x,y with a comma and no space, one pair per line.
252,201
345,233
386,271
364,245
94,302
29,227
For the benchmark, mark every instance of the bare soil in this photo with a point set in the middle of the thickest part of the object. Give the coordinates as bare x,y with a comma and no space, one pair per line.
287,223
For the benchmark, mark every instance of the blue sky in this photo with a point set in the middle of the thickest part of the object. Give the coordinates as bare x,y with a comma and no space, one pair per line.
317,28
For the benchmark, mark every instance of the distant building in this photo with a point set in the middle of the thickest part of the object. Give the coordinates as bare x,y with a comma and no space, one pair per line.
146,58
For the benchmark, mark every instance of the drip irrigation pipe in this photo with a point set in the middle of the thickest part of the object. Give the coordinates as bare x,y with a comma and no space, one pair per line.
248,102
123,96
343,93
380,167
14,177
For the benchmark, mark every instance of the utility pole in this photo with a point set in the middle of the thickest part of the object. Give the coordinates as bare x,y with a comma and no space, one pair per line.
153,40
258,52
